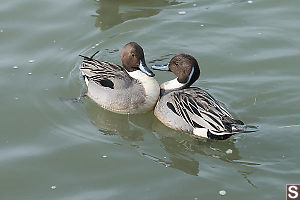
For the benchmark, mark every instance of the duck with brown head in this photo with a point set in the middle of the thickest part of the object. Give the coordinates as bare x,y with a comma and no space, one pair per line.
191,109
129,89
133,59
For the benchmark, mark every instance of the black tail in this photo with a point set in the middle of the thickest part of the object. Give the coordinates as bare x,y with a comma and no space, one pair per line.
89,58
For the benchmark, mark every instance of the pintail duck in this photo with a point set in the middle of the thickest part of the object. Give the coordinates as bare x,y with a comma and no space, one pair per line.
191,109
129,89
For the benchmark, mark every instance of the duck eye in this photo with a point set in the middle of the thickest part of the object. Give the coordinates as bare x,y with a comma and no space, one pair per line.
132,55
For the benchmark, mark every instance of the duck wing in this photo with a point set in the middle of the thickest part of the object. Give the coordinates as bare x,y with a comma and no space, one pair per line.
105,74
200,110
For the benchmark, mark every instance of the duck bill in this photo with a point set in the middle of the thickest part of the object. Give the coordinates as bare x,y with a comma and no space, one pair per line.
161,67
143,67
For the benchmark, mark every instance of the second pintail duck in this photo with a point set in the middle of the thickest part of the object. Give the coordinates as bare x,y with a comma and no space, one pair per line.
191,109
130,89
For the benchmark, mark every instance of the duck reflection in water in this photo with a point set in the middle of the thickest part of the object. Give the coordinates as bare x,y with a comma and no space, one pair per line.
114,12
128,127
183,150
180,149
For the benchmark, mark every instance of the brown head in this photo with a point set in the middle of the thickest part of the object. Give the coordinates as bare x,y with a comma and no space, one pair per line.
186,69
133,59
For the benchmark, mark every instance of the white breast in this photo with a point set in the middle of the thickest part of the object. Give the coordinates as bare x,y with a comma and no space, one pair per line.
151,89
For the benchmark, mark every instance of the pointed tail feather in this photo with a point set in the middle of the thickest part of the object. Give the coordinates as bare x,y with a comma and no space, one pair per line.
244,129
89,58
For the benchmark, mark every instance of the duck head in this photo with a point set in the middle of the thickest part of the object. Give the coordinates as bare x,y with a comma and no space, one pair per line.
133,59
186,69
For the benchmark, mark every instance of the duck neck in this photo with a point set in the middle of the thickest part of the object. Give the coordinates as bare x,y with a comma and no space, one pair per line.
138,75
172,85
149,84
176,85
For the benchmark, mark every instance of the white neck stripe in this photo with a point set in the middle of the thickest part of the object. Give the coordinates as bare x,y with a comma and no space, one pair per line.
190,76
174,84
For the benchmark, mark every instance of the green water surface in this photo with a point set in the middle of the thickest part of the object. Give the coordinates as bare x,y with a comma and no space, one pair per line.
54,147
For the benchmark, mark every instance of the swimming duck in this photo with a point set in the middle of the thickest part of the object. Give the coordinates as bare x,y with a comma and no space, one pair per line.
191,109
129,89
